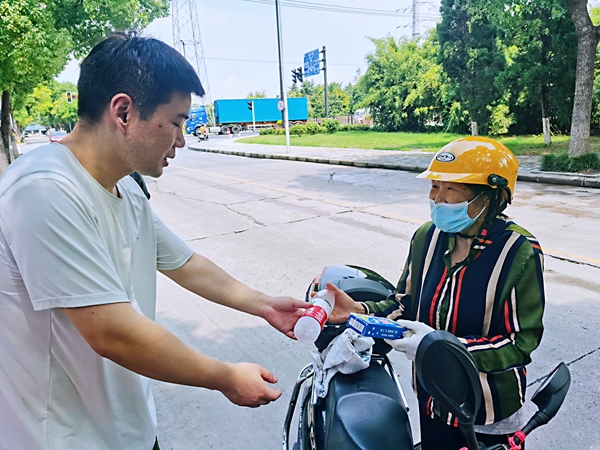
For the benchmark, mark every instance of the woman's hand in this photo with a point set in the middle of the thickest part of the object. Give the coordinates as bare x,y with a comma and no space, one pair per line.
344,305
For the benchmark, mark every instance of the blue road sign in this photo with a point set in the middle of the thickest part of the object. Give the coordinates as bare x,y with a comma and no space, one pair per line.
312,63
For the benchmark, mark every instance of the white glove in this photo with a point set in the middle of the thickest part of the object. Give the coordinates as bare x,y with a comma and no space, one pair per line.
412,337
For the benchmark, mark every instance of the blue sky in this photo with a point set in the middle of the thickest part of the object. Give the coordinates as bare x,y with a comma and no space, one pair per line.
240,40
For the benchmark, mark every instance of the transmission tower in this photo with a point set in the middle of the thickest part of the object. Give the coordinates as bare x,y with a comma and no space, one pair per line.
187,39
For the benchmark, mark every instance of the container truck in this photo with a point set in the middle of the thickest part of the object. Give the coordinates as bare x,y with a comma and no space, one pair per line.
235,115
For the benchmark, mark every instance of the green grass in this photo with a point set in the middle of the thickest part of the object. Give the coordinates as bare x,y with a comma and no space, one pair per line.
427,142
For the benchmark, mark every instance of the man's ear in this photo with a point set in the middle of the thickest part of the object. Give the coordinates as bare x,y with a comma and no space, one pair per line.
121,107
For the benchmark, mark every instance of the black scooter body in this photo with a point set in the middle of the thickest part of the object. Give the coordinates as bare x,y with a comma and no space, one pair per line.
363,410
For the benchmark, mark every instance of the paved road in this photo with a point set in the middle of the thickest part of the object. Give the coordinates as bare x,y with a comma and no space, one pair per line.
274,224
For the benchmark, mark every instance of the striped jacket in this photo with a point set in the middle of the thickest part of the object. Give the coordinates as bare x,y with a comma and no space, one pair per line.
493,302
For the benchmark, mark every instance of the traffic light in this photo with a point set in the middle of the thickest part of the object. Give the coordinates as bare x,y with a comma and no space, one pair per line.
250,105
69,97
297,75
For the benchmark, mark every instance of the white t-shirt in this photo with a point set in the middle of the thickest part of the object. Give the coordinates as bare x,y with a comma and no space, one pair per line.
65,241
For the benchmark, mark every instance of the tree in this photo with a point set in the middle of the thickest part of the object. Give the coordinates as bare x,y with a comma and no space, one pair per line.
587,42
47,105
540,71
404,86
32,50
36,39
257,94
470,56
338,98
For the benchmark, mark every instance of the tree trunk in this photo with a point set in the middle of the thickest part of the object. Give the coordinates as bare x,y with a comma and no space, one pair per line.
5,152
587,41
474,131
545,118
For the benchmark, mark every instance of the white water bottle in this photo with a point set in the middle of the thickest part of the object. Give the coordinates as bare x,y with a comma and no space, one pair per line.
311,323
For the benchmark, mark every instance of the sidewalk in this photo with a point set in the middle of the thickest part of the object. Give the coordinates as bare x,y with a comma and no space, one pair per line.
379,159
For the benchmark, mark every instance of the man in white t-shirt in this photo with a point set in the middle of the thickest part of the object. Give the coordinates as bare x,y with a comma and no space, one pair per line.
79,251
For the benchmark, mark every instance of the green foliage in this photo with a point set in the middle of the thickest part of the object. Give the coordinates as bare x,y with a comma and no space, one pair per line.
47,105
562,163
32,48
87,22
540,46
266,131
471,57
331,125
404,87
257,94
36,39
298,129
338,101
501,119
313,128
358,127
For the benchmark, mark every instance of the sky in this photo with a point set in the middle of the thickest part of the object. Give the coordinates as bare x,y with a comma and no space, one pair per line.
239,38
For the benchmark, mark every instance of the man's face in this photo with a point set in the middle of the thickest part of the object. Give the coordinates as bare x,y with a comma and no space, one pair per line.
151,142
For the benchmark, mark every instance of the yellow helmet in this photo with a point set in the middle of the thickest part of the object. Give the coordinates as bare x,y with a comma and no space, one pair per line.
475,160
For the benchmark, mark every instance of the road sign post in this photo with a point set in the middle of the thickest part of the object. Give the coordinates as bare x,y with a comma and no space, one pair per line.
251,107
283,93
324,60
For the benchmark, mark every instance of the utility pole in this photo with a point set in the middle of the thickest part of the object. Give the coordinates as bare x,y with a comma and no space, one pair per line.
186,33
284,113
324,61
415,14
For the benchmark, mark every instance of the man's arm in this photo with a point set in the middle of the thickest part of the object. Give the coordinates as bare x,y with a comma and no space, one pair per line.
117,332
204,278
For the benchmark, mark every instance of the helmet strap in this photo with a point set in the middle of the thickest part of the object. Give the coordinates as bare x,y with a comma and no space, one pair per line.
489,218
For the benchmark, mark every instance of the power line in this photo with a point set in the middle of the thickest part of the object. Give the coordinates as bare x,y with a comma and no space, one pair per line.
340,9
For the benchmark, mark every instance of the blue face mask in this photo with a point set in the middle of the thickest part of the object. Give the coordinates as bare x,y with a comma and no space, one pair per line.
452,218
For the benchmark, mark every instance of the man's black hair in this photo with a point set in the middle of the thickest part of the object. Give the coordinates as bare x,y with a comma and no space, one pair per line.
146,69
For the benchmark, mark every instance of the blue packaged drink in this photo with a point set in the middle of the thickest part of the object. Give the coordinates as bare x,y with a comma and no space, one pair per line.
375,327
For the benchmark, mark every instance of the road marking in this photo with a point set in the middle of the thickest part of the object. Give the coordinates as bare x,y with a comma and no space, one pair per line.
548,251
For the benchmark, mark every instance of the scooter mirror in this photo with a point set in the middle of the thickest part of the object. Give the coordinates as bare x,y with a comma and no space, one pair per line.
449,374
549,397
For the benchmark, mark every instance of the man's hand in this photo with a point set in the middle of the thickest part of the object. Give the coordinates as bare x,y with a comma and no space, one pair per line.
245,385
282,313
344,306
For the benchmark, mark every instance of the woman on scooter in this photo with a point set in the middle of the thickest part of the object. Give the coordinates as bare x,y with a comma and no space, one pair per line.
474,273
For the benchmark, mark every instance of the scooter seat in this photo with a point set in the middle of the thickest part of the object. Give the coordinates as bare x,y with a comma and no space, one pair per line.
364,411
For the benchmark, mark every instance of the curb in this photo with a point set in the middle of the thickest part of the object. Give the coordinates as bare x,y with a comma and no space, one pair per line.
554,178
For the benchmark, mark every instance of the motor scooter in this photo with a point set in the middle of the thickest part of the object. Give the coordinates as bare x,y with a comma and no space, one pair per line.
367,410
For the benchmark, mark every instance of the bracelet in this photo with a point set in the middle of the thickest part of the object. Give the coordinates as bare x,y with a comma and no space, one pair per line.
366,307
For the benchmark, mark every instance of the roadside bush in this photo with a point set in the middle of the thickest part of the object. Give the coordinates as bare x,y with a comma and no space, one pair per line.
331,125
357,127
280,131
562,163
298,130
312,128
267,131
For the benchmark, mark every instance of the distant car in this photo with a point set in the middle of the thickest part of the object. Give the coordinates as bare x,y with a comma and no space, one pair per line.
56,136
